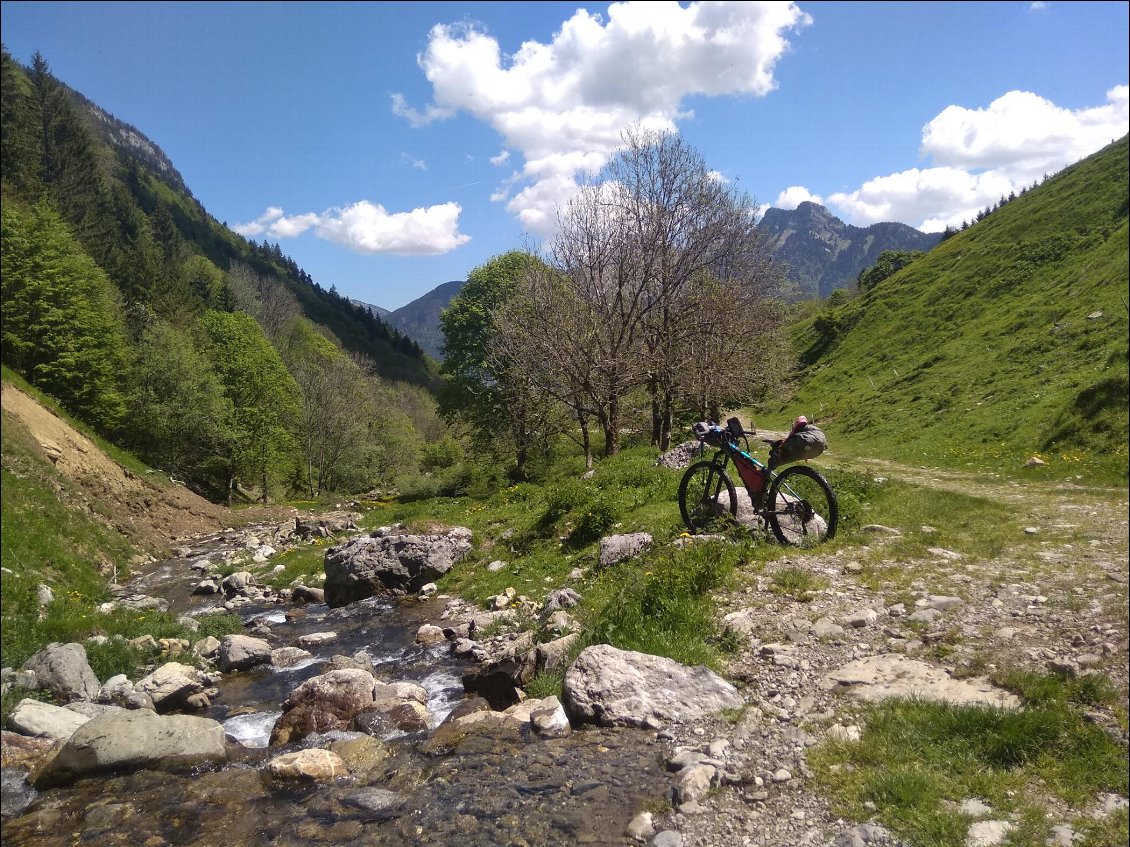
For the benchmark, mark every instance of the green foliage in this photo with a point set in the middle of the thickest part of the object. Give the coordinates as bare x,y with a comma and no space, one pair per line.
481,389
662,604
444,453
62,326
1005,341
797,583
178,410
888,264
966,751
593,520
264,397
1040,689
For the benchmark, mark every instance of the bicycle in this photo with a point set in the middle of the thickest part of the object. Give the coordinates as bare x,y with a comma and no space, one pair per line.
797,503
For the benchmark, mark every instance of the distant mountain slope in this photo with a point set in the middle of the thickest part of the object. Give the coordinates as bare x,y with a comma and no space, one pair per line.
134,215
1006,340
419,320
377,311
823,253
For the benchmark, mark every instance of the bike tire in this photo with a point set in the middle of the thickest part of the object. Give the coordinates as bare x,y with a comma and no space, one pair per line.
802,508
700,495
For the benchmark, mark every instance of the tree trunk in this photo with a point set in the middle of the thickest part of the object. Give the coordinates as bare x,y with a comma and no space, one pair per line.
586,440
612,427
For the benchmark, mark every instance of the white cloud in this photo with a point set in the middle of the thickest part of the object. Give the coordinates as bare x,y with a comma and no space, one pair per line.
794,195
563,105
260,224
413,162
1038,6
366,227
981,155
501,159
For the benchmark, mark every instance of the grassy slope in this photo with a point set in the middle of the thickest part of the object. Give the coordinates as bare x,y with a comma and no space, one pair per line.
982,352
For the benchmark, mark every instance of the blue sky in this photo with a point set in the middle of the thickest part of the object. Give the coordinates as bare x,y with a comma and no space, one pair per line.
391,147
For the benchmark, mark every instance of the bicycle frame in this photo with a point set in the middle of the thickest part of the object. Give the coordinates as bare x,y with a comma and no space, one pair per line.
730,451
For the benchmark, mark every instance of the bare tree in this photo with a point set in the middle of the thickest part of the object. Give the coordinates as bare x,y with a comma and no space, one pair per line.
598,259
688,226
545,338
268,301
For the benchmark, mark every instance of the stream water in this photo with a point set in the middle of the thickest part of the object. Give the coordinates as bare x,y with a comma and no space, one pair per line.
499,788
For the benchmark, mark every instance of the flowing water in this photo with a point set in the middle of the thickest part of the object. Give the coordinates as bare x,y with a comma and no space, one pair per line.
504,787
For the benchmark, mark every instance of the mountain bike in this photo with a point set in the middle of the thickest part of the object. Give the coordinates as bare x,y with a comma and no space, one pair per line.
796,503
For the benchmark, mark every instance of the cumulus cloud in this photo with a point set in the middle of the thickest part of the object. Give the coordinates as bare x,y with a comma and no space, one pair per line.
369,228
563,105
981,155
501,159
413,162
794,195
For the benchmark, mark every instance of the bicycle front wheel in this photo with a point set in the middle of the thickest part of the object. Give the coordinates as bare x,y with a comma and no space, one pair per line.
802,508
707,497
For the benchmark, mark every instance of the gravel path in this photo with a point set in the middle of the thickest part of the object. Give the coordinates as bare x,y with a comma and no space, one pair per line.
1062,606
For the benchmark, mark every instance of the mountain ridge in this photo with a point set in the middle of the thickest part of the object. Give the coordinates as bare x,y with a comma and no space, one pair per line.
822,253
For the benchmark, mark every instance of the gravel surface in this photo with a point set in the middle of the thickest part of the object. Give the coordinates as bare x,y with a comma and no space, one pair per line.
1062,607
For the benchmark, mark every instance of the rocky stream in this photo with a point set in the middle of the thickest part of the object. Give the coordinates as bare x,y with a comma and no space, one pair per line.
371,710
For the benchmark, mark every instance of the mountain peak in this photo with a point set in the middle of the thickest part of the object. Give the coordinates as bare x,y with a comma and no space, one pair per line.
822,253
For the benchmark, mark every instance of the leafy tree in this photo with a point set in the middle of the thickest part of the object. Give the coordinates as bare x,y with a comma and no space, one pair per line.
21,152
888,264
73,173
264,398
336,403
178,412
62,325
484,388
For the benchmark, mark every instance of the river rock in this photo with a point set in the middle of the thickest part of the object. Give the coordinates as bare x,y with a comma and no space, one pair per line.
614,687
322,703
22,752
127,740
285,657
305,594
315,765
31,717
499,681
322,526
236,583
553,656
367,805
119,691
390,563
171,685
240,652
63,670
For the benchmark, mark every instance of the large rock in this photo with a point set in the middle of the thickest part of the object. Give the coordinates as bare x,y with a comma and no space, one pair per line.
63,670
171,685
877,678
388,563
124,739
326,702
32,717
240,652
617,548
613,687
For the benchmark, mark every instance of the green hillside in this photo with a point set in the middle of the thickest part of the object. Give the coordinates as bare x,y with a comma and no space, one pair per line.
1006,341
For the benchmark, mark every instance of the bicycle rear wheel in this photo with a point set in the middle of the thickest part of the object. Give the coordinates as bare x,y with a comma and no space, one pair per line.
802,508
707,497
